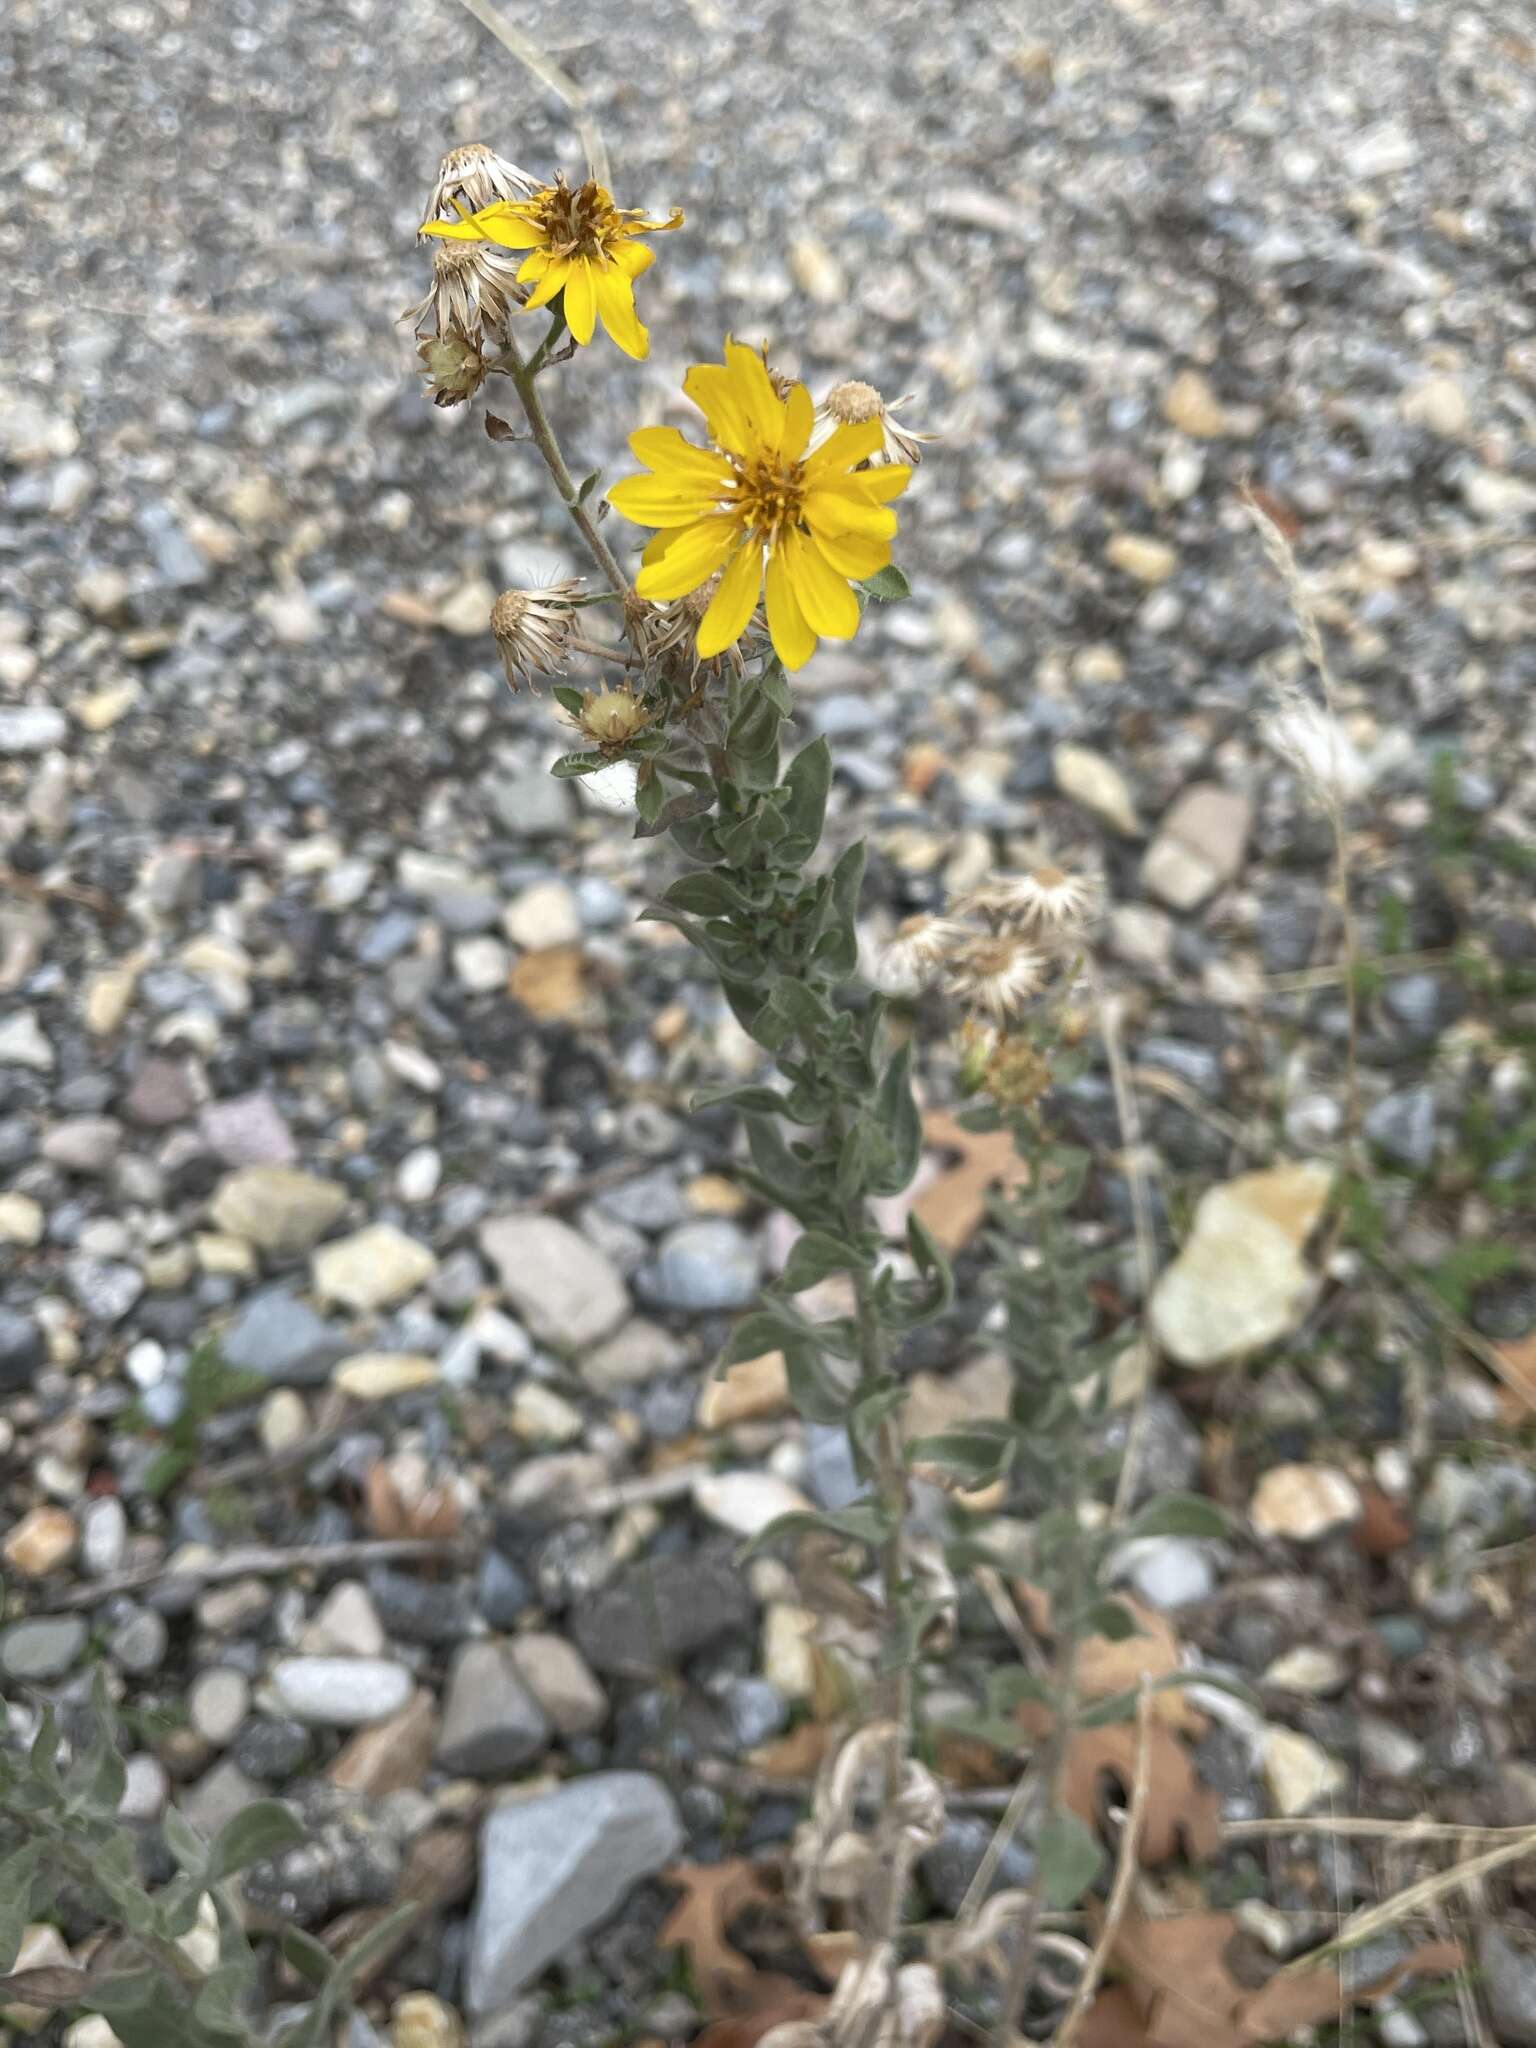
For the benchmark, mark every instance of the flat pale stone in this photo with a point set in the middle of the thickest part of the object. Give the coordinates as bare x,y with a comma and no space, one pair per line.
341,1692
21,1220
567,1292
1304,1502
1096,784
1300,1773
376,1375
1241,1281
371,1268
1199,845
746,1502
277,1208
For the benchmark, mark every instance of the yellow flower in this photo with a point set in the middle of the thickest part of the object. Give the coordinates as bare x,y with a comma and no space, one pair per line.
579,244
761,509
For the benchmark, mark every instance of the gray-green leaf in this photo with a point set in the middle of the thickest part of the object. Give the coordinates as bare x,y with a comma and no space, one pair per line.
1068,1858
1179,1514
263,1829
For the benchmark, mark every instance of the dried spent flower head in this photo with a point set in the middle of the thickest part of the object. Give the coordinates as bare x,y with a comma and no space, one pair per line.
455,366
998,975
577,246
1007,1065
917,952
532,627
1045,900
473,176
611,718
852,403
673,629
777,519
473,290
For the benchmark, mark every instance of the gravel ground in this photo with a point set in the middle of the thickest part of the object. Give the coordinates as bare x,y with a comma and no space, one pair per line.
299,942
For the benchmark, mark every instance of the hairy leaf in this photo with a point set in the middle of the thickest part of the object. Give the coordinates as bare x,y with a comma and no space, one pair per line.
1068,1856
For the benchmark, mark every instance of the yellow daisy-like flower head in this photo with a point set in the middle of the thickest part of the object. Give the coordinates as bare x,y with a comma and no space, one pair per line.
580,248
763,508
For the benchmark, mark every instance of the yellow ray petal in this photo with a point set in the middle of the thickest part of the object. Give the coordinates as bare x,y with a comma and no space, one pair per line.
533,265
851,554
799,418
580,299
692,555
714,392
824,597
793,641
631,257
830,510
854,442
552,281
616,310
668,452
663,501
725,619
764,407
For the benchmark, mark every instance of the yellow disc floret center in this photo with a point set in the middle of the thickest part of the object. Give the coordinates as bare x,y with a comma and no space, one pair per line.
767,497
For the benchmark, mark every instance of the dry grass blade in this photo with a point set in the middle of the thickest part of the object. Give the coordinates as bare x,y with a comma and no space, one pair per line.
1126,1867
549,73
1141,1217
1418,1898
1326,791
1398,1831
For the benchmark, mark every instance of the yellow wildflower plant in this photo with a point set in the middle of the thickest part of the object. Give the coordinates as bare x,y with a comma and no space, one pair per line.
581,247
763,508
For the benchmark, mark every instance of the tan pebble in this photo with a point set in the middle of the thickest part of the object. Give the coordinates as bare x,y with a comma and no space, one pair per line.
40,1542
755,1387
711,1194
1140,556
21,1220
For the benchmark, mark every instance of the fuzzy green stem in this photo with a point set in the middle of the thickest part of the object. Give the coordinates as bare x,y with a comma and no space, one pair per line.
523,374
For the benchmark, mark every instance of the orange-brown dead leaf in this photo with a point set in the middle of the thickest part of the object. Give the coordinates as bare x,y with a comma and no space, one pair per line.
1179,1984
1517,1395
1105,1667
1383,1527
967,1762
1113,2021
731,1987
954,1205
436,1515
1181,1812
713,1894
795,1755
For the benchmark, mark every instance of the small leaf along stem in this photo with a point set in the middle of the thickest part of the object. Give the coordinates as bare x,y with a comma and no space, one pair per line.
523,372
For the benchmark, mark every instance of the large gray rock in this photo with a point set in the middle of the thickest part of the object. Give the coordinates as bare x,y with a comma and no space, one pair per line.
555,1866
663,1610
22,1349
1508,1973
563,1288
703,1267
283,1339
491,1723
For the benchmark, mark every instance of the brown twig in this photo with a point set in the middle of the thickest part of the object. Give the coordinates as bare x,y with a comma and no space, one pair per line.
258,1561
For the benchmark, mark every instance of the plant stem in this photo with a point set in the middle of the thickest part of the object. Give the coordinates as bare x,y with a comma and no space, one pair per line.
523,373
601,653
